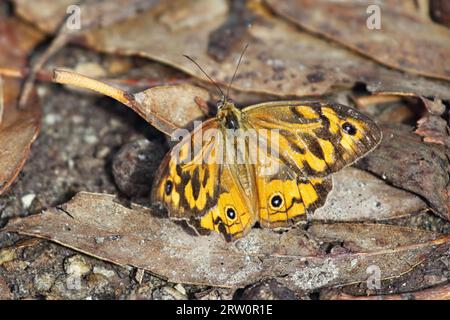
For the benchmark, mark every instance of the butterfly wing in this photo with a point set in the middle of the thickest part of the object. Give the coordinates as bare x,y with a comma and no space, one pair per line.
284,196
234,215
302,144
186,181
285,199
197,182
316,139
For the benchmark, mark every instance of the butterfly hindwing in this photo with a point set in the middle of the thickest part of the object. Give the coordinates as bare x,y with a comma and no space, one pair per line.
233,216
285,198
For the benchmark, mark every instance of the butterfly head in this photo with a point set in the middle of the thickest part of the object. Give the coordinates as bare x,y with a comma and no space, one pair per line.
228,114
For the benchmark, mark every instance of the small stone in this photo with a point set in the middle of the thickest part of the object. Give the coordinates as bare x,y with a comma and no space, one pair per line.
5,292
99,240
15,265
168,293
134,167
7,255
97,281
179,287
44,282
52,118
102,152
90,139
440,11
103,271
27,200
76,266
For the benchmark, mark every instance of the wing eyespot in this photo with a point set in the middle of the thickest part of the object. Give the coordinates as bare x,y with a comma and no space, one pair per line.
276,201
349,128
168,187
231,213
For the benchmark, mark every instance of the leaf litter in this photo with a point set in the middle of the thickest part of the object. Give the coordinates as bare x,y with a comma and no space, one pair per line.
281,59
264,254
18,128
414,45
97,225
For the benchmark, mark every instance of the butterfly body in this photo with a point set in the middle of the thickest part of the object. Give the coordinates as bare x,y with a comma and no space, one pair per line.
268,163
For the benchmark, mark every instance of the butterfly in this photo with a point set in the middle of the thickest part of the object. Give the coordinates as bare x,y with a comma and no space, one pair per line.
269,163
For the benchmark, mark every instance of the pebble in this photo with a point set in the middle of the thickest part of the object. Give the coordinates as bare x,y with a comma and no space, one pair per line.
52,118
76,265
43,282
27,200
179,287
7,255
168,293
103,271
134,167
90,139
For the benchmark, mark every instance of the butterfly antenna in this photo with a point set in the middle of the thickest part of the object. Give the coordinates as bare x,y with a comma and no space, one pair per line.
235,71
204,72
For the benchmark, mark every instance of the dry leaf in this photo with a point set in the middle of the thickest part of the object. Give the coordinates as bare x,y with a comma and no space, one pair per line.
360,196
97,225
177,103
365,237
167,108
405,162
18,129
433,129
437,293
92,14
281,60
405,42
5,292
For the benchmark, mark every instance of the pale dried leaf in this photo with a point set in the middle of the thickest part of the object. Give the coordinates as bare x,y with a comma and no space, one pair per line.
360,196
281,60
405,41
97,225
18,128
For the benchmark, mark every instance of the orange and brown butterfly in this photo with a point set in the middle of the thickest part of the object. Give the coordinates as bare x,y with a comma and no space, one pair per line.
217,183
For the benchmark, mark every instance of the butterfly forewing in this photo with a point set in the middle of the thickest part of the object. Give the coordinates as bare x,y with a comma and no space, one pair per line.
205,186
316,139
186,181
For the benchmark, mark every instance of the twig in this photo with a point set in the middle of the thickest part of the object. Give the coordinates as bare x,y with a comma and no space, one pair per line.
56,45
42,75
94,15
78,80
128,99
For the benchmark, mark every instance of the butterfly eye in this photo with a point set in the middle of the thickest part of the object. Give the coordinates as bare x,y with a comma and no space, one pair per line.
349,128
231,213
276,201
168,187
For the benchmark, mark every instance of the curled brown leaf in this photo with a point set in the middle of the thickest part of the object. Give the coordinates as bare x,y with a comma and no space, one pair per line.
18,128
167,108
